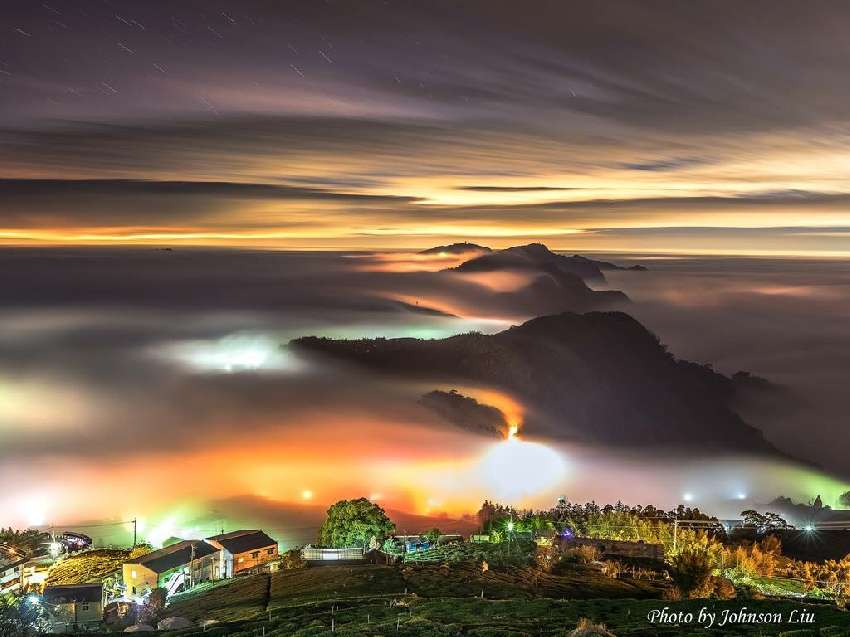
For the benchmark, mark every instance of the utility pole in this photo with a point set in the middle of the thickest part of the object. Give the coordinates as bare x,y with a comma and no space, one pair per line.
675,533
134,532
192,565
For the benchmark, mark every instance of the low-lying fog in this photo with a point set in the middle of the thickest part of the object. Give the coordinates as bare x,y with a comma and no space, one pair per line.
139,383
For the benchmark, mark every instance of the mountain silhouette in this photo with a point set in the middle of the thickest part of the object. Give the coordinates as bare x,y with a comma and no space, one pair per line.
537,257
598,377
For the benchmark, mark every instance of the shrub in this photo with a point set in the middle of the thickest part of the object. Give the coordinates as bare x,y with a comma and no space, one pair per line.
587,628
722,588
583,554
292,560
613,568
578,555
690,570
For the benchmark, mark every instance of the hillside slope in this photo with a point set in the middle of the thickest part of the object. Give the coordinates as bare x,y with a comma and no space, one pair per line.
599,377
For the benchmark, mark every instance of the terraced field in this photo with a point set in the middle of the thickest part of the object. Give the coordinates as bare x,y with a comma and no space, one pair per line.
442,600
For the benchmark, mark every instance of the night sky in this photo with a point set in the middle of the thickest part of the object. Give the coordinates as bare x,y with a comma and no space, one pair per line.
718,127
688,137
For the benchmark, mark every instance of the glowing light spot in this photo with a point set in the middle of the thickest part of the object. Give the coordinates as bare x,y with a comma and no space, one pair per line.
512,431
514,469
688,497
306,494
33,509
235,353
740,496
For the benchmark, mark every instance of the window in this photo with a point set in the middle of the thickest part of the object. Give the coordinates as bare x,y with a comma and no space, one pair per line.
85,606
255,554
270,551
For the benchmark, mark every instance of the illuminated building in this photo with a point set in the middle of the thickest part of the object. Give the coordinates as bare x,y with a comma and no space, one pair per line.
11,572
244,550
72,606
173,568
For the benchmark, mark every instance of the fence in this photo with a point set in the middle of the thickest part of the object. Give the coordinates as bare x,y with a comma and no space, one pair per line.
311,555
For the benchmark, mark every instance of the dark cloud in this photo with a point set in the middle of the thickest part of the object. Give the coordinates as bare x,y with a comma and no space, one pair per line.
512,188
140,187
665,165
97,202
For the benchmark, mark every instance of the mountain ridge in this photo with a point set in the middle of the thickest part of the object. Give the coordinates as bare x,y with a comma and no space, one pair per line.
598,377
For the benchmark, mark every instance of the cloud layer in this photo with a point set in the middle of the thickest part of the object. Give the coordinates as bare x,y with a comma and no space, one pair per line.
345,126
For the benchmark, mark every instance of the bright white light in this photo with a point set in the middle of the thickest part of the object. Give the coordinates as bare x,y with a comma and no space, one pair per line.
809,528
162,531
688,497
306,494
33,509
740,496
510,526
236,353
514,469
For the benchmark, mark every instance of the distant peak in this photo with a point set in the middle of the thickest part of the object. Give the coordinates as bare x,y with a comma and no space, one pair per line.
456,248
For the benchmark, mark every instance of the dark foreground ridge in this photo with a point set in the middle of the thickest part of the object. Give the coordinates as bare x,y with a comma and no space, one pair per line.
599,377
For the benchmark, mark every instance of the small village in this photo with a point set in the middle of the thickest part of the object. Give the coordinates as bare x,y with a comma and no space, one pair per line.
222,583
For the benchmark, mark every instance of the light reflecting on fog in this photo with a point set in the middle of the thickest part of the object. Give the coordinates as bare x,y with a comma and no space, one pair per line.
515,470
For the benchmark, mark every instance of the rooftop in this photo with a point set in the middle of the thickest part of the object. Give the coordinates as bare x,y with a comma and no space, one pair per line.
173,556
67,593
244,540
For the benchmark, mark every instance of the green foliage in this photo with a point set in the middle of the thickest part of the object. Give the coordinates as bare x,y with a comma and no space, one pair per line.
504,555
25,543
352,523
448,603
433,535
292,559
764,522
19,617
690,570
844,499
610,522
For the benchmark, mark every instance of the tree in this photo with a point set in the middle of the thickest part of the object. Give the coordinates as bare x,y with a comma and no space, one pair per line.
151,611
354,523
764,522
844,499
690,571
20,617
433,535
25,543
